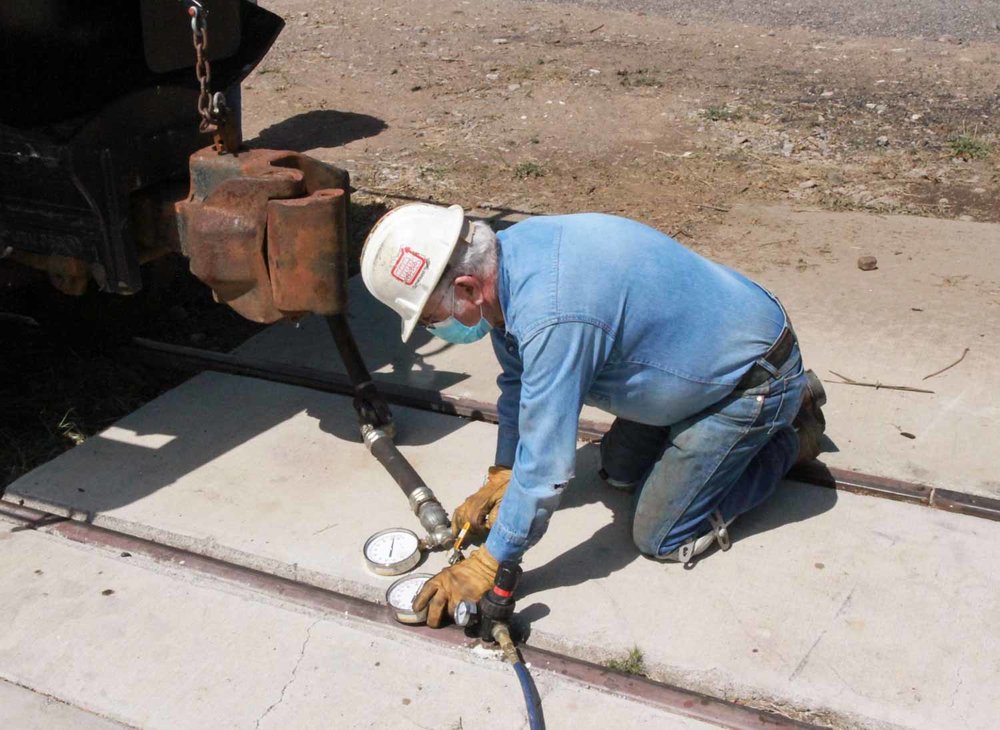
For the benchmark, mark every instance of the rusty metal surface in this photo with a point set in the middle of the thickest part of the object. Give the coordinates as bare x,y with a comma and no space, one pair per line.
820,475
307,276
68,274
267,231
966,504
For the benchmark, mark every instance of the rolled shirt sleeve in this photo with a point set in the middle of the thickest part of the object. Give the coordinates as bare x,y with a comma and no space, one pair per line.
560,360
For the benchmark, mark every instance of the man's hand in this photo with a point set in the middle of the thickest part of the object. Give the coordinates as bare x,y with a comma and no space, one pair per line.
467,580
480,509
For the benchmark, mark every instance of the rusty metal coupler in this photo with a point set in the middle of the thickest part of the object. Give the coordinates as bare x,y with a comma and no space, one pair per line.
267,231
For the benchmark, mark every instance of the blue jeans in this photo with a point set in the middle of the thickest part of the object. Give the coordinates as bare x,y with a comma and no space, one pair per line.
729,457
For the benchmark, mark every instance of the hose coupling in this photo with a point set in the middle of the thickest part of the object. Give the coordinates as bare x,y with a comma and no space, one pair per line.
501,635
370,434
433,518
419,496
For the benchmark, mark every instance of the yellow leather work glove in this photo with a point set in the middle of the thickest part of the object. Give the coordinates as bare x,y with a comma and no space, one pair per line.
480,509
467,580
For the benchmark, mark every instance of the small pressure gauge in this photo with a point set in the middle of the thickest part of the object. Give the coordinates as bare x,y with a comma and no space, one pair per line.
392,551
400,598
465,613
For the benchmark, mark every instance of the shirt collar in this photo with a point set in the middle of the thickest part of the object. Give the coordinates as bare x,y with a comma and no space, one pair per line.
503,283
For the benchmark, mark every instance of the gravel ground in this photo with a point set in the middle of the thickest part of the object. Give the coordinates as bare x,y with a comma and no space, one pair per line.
977,20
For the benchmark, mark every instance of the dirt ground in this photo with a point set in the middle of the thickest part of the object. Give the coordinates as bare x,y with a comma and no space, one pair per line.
557,108
552,108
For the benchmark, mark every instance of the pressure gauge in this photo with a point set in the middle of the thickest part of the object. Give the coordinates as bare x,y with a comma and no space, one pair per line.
465,613
400,598
392,551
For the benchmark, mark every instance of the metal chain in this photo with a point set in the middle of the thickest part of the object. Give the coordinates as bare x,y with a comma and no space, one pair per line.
212,108
199,36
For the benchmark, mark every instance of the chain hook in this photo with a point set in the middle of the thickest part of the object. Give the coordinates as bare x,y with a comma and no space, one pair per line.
219,107
196,11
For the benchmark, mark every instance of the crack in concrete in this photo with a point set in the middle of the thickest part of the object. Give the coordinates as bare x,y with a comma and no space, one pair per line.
801,665
291,678
954,695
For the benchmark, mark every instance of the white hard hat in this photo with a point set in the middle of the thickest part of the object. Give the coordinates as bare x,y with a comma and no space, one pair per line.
405,255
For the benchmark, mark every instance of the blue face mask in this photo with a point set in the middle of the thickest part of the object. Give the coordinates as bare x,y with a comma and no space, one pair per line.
453,331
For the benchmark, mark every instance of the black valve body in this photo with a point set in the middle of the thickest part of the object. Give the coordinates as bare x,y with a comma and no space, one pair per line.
497,605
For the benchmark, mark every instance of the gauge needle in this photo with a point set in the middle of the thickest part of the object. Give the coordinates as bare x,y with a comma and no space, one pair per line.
392,545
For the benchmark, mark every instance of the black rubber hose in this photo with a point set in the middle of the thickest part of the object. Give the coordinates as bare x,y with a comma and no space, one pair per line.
357,371
396,464
368,402
422,500
536,720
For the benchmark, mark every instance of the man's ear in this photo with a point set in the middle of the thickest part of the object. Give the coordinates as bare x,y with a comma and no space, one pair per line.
470,289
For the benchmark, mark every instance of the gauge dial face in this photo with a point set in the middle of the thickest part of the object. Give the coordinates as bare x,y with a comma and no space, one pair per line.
393,551
463,613
400,598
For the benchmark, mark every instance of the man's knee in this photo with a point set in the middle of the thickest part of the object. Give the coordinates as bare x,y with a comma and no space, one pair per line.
629,449
647,537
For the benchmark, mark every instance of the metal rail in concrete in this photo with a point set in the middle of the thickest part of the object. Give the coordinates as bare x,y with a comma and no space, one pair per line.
189,358
674,699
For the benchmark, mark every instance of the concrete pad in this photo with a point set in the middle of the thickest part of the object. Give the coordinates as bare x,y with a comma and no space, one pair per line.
168,650
865,611
262,474
24,709
934,294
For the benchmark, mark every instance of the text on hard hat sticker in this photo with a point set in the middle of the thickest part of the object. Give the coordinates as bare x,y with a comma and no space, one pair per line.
408,267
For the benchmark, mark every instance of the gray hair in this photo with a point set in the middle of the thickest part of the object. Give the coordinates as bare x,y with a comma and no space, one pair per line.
475,255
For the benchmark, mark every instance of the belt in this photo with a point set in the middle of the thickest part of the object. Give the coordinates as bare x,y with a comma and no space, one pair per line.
775,357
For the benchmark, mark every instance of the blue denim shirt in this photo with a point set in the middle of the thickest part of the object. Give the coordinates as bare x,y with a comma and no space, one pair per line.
604,311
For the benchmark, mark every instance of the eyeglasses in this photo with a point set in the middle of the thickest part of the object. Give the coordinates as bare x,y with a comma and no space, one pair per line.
425,321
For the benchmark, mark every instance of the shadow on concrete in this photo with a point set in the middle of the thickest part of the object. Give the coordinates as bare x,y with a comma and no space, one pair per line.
791,502
521,622
214,414
413,428
606,551
610,548
197,423
376,329
318,128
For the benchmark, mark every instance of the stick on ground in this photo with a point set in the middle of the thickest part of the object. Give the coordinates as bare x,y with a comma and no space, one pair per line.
948,367
876,385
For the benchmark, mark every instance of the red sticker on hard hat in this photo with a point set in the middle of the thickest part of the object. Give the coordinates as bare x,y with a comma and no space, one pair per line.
408,266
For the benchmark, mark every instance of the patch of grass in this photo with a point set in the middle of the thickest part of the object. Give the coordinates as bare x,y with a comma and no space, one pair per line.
524,170
631,663
969,147
69,430
639,77
721,114
524,72
431,171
